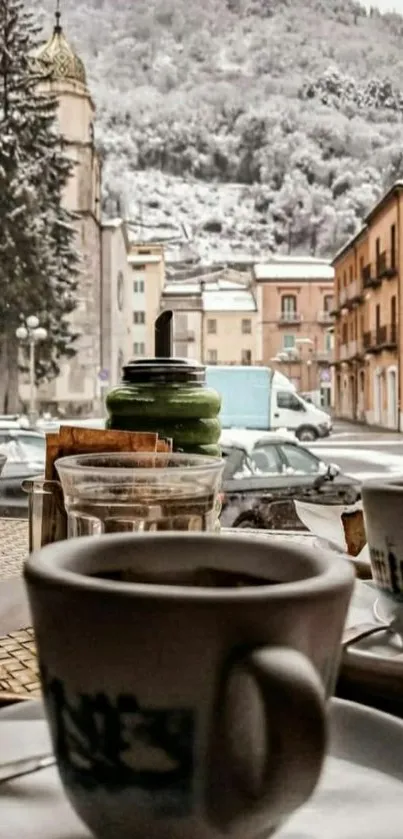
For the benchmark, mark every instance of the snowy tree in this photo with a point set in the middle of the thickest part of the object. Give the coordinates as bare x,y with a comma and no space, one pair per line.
38,260
192,97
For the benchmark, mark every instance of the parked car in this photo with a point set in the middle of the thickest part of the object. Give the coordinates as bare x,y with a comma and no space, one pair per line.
25,451
264,474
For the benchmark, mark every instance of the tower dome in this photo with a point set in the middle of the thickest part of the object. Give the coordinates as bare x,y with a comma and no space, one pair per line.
57,57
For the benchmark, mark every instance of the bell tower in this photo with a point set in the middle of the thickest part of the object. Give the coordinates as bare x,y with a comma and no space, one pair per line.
75,390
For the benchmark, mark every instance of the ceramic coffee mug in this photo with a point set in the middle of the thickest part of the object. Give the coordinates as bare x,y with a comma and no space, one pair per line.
184,678
383,514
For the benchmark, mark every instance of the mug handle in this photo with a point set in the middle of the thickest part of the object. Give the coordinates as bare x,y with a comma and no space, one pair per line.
296,735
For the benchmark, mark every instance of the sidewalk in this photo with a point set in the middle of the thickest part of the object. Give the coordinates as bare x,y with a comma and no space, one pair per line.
341,424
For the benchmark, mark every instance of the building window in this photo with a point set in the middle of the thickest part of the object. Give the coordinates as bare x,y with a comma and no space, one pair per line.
328,302
212,356
139,317
378,254
120,290
139,348
288,304
212,326
351,273
393,329
289,342
393,246
328,341
246,326
344,279
139,267
246,357
344,334
138,286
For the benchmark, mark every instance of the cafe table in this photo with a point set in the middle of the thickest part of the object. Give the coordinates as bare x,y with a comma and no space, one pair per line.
18,662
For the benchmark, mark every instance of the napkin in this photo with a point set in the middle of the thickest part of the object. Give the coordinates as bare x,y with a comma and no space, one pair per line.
324,521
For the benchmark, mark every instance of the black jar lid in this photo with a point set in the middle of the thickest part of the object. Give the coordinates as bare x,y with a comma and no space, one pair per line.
164,371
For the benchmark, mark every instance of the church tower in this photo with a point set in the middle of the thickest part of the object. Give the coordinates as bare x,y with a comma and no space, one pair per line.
75,390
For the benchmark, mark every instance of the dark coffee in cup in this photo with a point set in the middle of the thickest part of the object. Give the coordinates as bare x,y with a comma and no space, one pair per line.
203,577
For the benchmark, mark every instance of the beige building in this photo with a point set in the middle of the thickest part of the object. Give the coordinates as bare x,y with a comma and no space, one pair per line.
216,320
295,298
147,269
116,324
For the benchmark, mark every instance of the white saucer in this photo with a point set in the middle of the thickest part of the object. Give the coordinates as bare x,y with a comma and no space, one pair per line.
375,663
359,795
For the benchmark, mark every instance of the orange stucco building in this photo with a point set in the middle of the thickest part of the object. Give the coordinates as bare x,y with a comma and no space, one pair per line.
367,341
295,299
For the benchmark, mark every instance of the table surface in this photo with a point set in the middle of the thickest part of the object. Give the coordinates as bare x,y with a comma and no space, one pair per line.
14,611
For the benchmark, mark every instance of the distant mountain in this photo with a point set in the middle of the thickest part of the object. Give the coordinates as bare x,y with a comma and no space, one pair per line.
257,124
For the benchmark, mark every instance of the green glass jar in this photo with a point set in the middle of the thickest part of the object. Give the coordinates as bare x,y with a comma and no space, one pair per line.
169,396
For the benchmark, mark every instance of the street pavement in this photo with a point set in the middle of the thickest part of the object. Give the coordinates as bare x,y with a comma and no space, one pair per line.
361,451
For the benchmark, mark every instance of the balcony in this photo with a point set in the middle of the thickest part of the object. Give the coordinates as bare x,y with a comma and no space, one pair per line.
370,278
350,295
350,350
354,349
386,265
382,338
325,318
323,356
185,336
343,296
289,318
354,293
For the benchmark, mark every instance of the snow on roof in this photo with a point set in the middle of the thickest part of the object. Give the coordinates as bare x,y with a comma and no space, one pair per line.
294,268
236,300
181,288
218,296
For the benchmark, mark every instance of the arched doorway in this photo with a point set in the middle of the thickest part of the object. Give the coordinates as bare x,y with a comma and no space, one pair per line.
391,391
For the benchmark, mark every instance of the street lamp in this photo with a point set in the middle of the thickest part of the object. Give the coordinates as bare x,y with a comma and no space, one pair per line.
32,333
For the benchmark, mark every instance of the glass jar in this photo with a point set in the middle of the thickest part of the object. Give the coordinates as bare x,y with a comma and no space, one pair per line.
168,396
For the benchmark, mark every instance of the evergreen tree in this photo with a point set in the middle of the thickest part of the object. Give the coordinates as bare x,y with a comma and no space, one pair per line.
38,260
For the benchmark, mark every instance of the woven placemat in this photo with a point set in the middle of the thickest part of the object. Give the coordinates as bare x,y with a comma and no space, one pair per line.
18,663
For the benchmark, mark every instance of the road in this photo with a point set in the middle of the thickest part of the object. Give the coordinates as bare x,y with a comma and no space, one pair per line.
362,452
